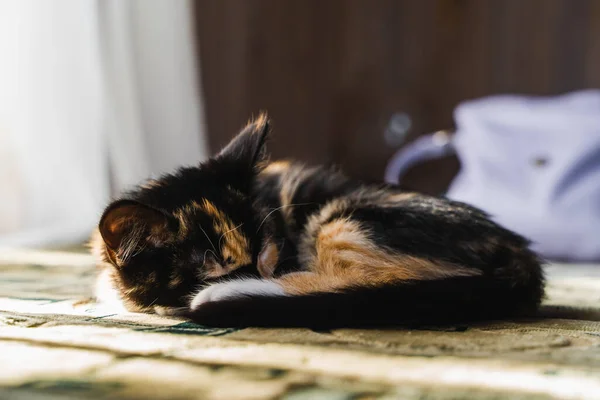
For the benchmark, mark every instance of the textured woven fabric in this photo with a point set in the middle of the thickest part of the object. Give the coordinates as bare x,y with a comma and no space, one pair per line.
55,342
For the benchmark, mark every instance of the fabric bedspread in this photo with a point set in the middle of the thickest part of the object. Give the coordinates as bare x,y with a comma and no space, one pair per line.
56,343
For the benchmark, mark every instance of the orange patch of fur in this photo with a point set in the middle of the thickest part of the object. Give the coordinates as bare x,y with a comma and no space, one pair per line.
233,243
276,167
397,197
289,184
183,224
151,184
345,257
259,121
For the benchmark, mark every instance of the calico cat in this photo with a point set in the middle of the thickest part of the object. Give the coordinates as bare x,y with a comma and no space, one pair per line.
241,241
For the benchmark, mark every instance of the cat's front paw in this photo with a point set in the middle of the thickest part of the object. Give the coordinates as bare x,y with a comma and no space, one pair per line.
236,289
170,311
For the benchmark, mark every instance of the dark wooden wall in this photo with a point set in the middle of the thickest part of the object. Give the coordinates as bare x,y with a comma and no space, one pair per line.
332,72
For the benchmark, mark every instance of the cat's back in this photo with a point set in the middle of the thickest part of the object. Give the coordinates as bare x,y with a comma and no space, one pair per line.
298,191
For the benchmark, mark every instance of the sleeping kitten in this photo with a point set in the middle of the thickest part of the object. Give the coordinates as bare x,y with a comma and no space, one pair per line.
240,241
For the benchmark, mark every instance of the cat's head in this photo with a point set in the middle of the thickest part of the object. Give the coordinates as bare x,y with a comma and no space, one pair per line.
162,241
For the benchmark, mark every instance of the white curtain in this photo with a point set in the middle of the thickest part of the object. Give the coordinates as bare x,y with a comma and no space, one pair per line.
95,95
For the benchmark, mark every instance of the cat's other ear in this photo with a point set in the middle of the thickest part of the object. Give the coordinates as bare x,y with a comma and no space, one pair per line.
248,148
127,225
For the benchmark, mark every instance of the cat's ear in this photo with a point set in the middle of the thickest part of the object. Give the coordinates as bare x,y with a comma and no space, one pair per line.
127,225
248,148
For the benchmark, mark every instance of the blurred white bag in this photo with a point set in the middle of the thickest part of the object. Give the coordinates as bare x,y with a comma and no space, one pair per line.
533,163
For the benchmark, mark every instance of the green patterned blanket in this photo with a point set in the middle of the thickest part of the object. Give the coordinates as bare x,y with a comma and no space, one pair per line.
56,343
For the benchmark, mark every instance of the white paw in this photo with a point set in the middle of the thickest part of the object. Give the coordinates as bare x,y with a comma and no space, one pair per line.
169,311
237,289
107,295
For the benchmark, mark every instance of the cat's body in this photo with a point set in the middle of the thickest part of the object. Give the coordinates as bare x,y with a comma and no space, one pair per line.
239,241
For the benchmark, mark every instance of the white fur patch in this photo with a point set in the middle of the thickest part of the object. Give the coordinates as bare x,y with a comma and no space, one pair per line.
237,289
106,294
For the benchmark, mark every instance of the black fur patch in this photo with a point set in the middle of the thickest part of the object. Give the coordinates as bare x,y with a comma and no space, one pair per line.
166,239
437,302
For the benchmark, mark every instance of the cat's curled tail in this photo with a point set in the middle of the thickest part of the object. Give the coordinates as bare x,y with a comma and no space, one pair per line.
454,300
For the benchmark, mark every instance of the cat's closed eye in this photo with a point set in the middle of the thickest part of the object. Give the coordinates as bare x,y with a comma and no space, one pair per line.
215,267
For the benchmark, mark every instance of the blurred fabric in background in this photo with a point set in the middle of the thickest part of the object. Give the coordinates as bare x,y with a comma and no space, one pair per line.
532,163
96,96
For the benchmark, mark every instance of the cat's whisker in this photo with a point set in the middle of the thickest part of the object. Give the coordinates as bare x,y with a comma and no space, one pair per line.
132,243
154,301
225,233
204,257
141,248
205,234
277,209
